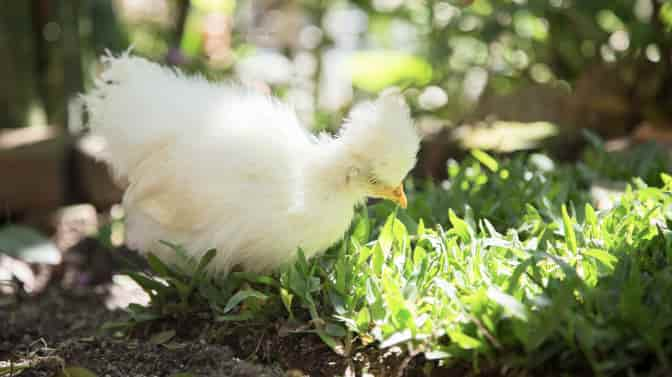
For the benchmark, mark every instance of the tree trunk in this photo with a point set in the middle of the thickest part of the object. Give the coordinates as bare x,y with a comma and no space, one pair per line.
72,56
17,79
59,63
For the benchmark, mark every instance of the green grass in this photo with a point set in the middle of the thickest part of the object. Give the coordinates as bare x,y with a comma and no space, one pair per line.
506,265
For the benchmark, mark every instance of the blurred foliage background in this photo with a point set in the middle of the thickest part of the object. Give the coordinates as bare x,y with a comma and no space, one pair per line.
497,74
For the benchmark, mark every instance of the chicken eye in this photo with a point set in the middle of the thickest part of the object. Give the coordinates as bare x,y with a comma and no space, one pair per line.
373,180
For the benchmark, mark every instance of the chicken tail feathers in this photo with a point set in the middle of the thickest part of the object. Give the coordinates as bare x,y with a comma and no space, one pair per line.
134,107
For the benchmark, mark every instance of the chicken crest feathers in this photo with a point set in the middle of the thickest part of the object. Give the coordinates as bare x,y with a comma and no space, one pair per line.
382,132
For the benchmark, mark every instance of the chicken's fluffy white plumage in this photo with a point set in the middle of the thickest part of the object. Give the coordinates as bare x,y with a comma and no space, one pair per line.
220,166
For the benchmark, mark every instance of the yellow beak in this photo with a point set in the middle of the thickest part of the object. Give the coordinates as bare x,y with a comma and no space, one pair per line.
395,194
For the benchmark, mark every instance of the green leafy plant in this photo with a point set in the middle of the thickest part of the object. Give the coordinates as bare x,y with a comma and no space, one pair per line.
500,191
177,292
524,273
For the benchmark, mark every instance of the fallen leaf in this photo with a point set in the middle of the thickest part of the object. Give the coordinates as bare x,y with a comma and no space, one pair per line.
162,337
174,346
28,245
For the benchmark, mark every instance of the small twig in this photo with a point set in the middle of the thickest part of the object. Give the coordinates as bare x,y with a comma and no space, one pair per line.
11,368
43,346
256,349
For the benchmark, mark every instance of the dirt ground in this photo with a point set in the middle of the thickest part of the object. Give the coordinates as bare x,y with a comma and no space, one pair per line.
68,327
61,324
64,322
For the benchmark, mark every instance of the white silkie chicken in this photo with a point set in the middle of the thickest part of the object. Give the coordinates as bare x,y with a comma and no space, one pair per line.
220,166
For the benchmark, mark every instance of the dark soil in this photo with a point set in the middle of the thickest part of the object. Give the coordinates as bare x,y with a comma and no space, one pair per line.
61,325
68,327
